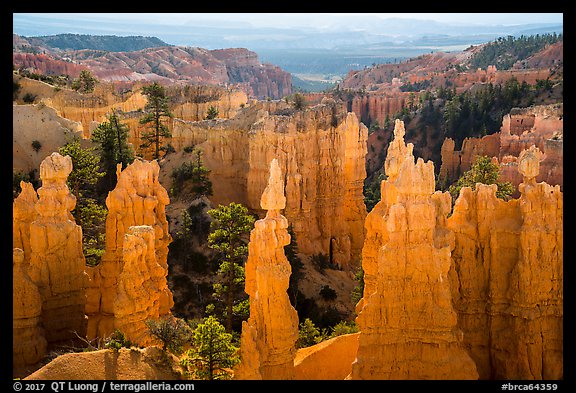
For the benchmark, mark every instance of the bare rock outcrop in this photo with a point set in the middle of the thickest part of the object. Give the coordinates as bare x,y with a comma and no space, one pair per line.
57,264
138,199
269,336
28,342
507,276
328,360
406,319
150,363
39,123
321,152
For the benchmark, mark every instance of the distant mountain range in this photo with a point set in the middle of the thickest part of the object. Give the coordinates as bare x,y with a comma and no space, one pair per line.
334,45
109,43
329,31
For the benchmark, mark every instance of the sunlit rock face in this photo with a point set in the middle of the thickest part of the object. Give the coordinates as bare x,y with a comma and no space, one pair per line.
269,336
57,264
28,342
141,287
138,199
321,151
508,274
408,327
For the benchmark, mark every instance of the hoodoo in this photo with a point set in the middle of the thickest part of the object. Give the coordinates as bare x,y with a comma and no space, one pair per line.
269,336
57,264
508,274
406,319
138,199
28,342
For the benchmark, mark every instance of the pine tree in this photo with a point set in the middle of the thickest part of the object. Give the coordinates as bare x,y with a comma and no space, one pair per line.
228,230
85,83
156,109
483,171
111,136
212,353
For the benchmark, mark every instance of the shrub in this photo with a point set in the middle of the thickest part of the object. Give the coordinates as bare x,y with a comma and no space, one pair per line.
308,334
328,293
172,332
117,340
36,145
344,327
29,98
212,113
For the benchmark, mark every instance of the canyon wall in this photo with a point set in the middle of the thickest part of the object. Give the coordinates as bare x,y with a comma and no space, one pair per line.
406,319
541,126
186,102
168,65
268,341
321,153
507,277
373,107
137,199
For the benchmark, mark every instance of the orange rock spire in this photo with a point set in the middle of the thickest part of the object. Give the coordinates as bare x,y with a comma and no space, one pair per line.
406,320
269,336
57,264
138,199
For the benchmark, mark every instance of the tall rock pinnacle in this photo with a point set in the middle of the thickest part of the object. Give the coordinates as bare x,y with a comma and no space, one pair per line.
269,336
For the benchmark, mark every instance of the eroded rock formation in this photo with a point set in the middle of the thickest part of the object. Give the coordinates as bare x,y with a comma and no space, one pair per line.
507,277
23,214
169,65
406,319
57,264
141,285
138,199
28,342
540,125
321,152
269,336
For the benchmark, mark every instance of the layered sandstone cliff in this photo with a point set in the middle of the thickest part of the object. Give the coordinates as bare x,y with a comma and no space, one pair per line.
57,264
137,199
507,277
376,107
267,346
321,152
168,65
406,319
187,103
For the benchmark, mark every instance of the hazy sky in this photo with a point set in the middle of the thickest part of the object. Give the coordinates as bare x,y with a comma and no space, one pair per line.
304,19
